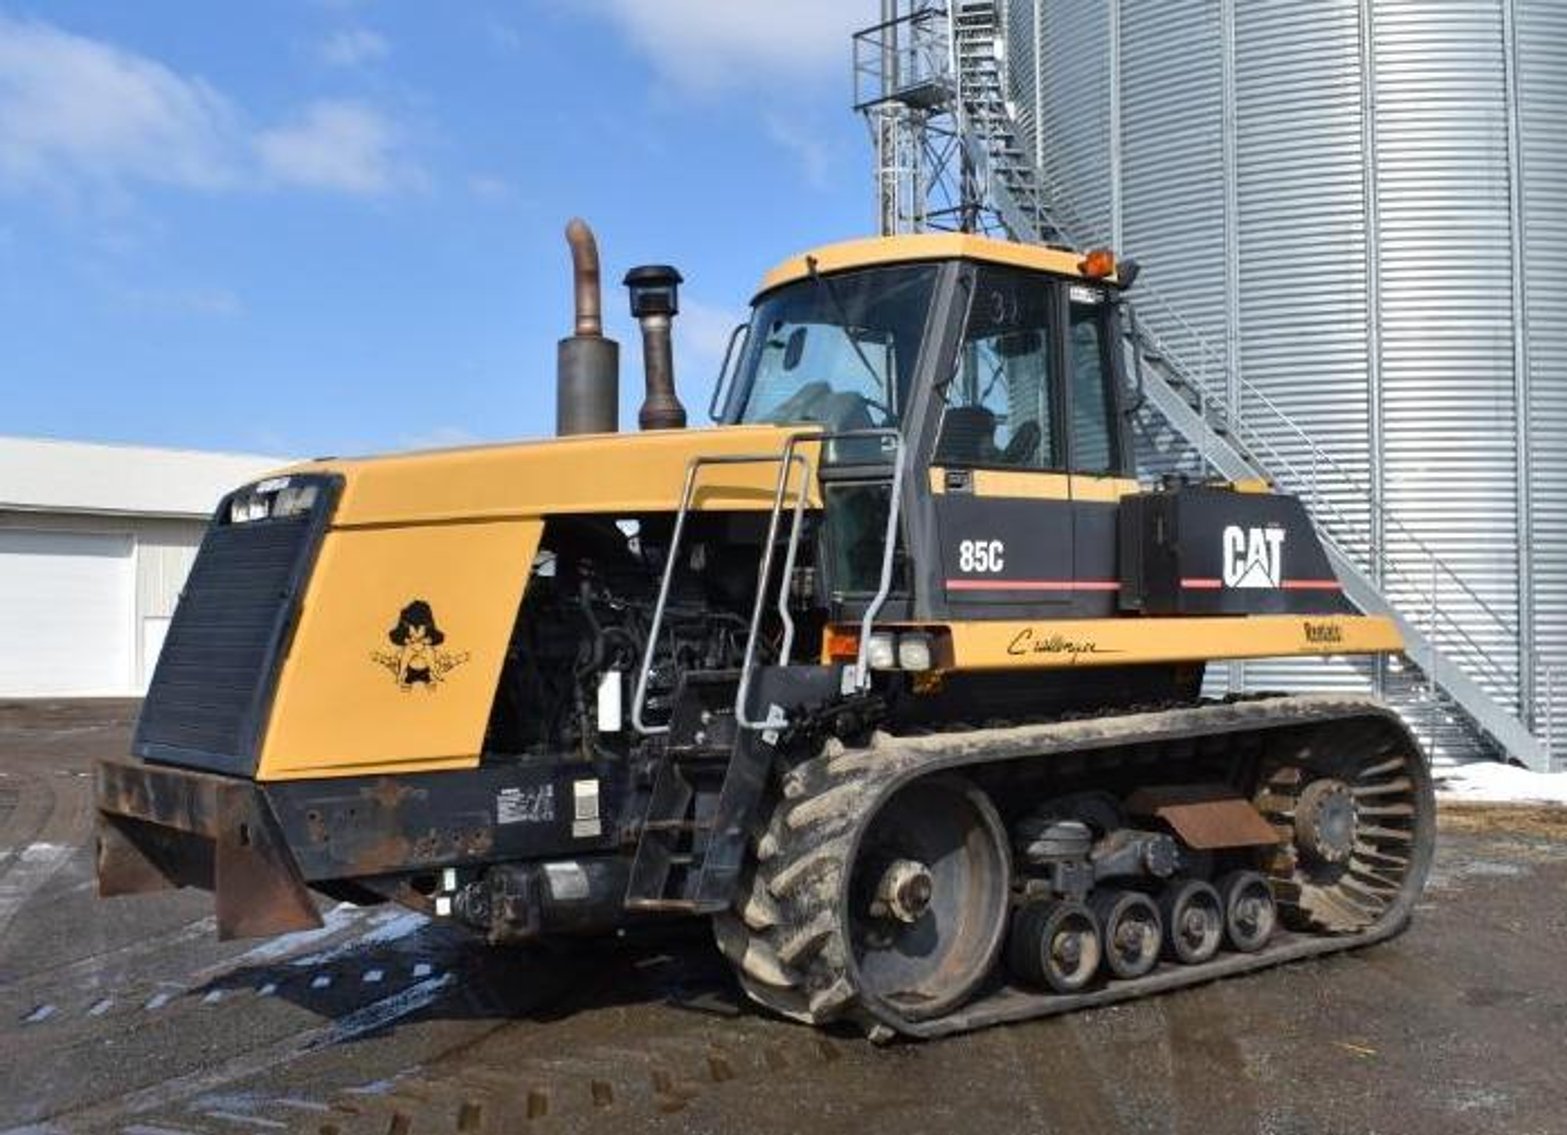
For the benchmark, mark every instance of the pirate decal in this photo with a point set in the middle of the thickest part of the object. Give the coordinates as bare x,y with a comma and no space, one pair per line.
418,659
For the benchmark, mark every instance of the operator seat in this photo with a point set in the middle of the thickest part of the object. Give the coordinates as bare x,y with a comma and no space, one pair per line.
967,436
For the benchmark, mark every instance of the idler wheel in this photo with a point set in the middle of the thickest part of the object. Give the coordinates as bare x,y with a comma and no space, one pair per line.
927,900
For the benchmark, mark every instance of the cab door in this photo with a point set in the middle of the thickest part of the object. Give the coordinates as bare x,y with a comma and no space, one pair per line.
999,487
1097,447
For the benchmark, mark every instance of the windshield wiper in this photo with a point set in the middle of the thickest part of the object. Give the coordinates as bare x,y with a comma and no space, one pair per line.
842,313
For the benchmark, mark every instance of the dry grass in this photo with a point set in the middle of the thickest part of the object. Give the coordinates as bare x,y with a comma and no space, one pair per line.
1518,819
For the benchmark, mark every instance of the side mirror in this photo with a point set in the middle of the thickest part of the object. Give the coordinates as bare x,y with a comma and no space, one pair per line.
794,349
1134,336
1126,273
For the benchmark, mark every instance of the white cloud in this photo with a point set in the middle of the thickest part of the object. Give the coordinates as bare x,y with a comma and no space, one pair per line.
76,108
353,47
705,45
338,145
83,114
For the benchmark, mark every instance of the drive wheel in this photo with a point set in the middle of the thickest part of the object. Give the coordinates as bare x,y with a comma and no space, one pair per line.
1356,819
1193,921
1249,914
927,897
1131,929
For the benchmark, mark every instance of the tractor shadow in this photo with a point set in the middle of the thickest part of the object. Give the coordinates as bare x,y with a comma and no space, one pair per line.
439,972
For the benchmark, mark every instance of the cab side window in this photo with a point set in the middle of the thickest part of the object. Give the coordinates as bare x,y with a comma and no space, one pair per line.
1093,410
1000,406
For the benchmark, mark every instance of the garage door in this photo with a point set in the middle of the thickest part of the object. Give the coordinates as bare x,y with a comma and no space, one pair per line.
66,614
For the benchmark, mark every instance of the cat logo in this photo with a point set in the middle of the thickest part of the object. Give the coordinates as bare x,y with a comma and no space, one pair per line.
1253,557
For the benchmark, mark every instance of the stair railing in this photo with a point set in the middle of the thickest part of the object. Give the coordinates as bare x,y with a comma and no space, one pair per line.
1172,342
1214,361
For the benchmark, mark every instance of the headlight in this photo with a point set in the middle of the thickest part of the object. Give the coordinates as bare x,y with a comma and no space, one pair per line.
914,651
247,507
294,500
275,497
880,653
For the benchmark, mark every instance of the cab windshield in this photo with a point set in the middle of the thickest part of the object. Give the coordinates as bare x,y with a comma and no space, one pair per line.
837,350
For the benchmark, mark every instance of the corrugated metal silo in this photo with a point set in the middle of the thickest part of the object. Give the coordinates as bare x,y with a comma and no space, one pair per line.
1354,214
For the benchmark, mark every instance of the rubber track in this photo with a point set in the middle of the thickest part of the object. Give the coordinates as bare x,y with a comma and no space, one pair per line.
786,934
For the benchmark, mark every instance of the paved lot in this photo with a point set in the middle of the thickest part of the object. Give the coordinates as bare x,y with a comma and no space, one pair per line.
128,1016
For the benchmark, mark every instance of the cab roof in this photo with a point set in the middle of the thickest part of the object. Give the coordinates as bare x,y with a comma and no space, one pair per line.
874,251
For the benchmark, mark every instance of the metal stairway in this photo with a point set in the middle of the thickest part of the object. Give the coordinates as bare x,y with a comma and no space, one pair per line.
1188,382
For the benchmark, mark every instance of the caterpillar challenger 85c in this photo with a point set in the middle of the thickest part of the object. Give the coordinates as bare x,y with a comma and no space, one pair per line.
894,675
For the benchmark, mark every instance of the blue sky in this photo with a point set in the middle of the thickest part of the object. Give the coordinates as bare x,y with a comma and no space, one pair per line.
334,226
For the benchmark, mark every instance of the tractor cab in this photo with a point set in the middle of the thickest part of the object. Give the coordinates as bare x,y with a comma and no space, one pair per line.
995,365
1005,349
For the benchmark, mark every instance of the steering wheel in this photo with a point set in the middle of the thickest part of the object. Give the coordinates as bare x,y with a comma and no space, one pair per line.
887,416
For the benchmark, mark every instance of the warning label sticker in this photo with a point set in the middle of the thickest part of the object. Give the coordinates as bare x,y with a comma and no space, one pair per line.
534,805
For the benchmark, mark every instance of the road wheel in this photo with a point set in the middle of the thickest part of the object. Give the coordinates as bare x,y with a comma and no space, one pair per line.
1131,929
1249,914
1193,916
1055,944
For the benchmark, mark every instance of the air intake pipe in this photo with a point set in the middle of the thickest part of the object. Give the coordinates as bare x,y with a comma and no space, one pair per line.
655,301
587,369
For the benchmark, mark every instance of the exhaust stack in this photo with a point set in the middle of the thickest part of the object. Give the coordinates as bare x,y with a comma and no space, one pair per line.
655,301
587,370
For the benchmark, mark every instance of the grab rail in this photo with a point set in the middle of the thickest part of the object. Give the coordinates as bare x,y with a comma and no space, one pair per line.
859,676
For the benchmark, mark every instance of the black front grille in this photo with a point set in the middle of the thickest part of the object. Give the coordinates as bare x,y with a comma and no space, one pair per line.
209,696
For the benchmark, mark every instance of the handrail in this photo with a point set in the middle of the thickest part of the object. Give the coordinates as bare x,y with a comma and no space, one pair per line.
714,400
912,62
671,559
860,675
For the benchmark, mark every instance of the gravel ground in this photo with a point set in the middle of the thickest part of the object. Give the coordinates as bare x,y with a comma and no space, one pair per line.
127,1015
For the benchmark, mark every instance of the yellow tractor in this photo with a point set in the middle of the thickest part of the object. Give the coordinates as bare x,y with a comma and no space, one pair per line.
895,674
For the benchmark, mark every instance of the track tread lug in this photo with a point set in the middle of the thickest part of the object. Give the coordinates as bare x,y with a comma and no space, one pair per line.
806,942
824,860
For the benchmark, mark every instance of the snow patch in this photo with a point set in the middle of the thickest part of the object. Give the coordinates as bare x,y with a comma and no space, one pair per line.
338,918
43,852
386,927
1493,782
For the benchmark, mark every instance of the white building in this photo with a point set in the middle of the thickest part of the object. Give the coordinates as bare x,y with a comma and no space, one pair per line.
95,544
